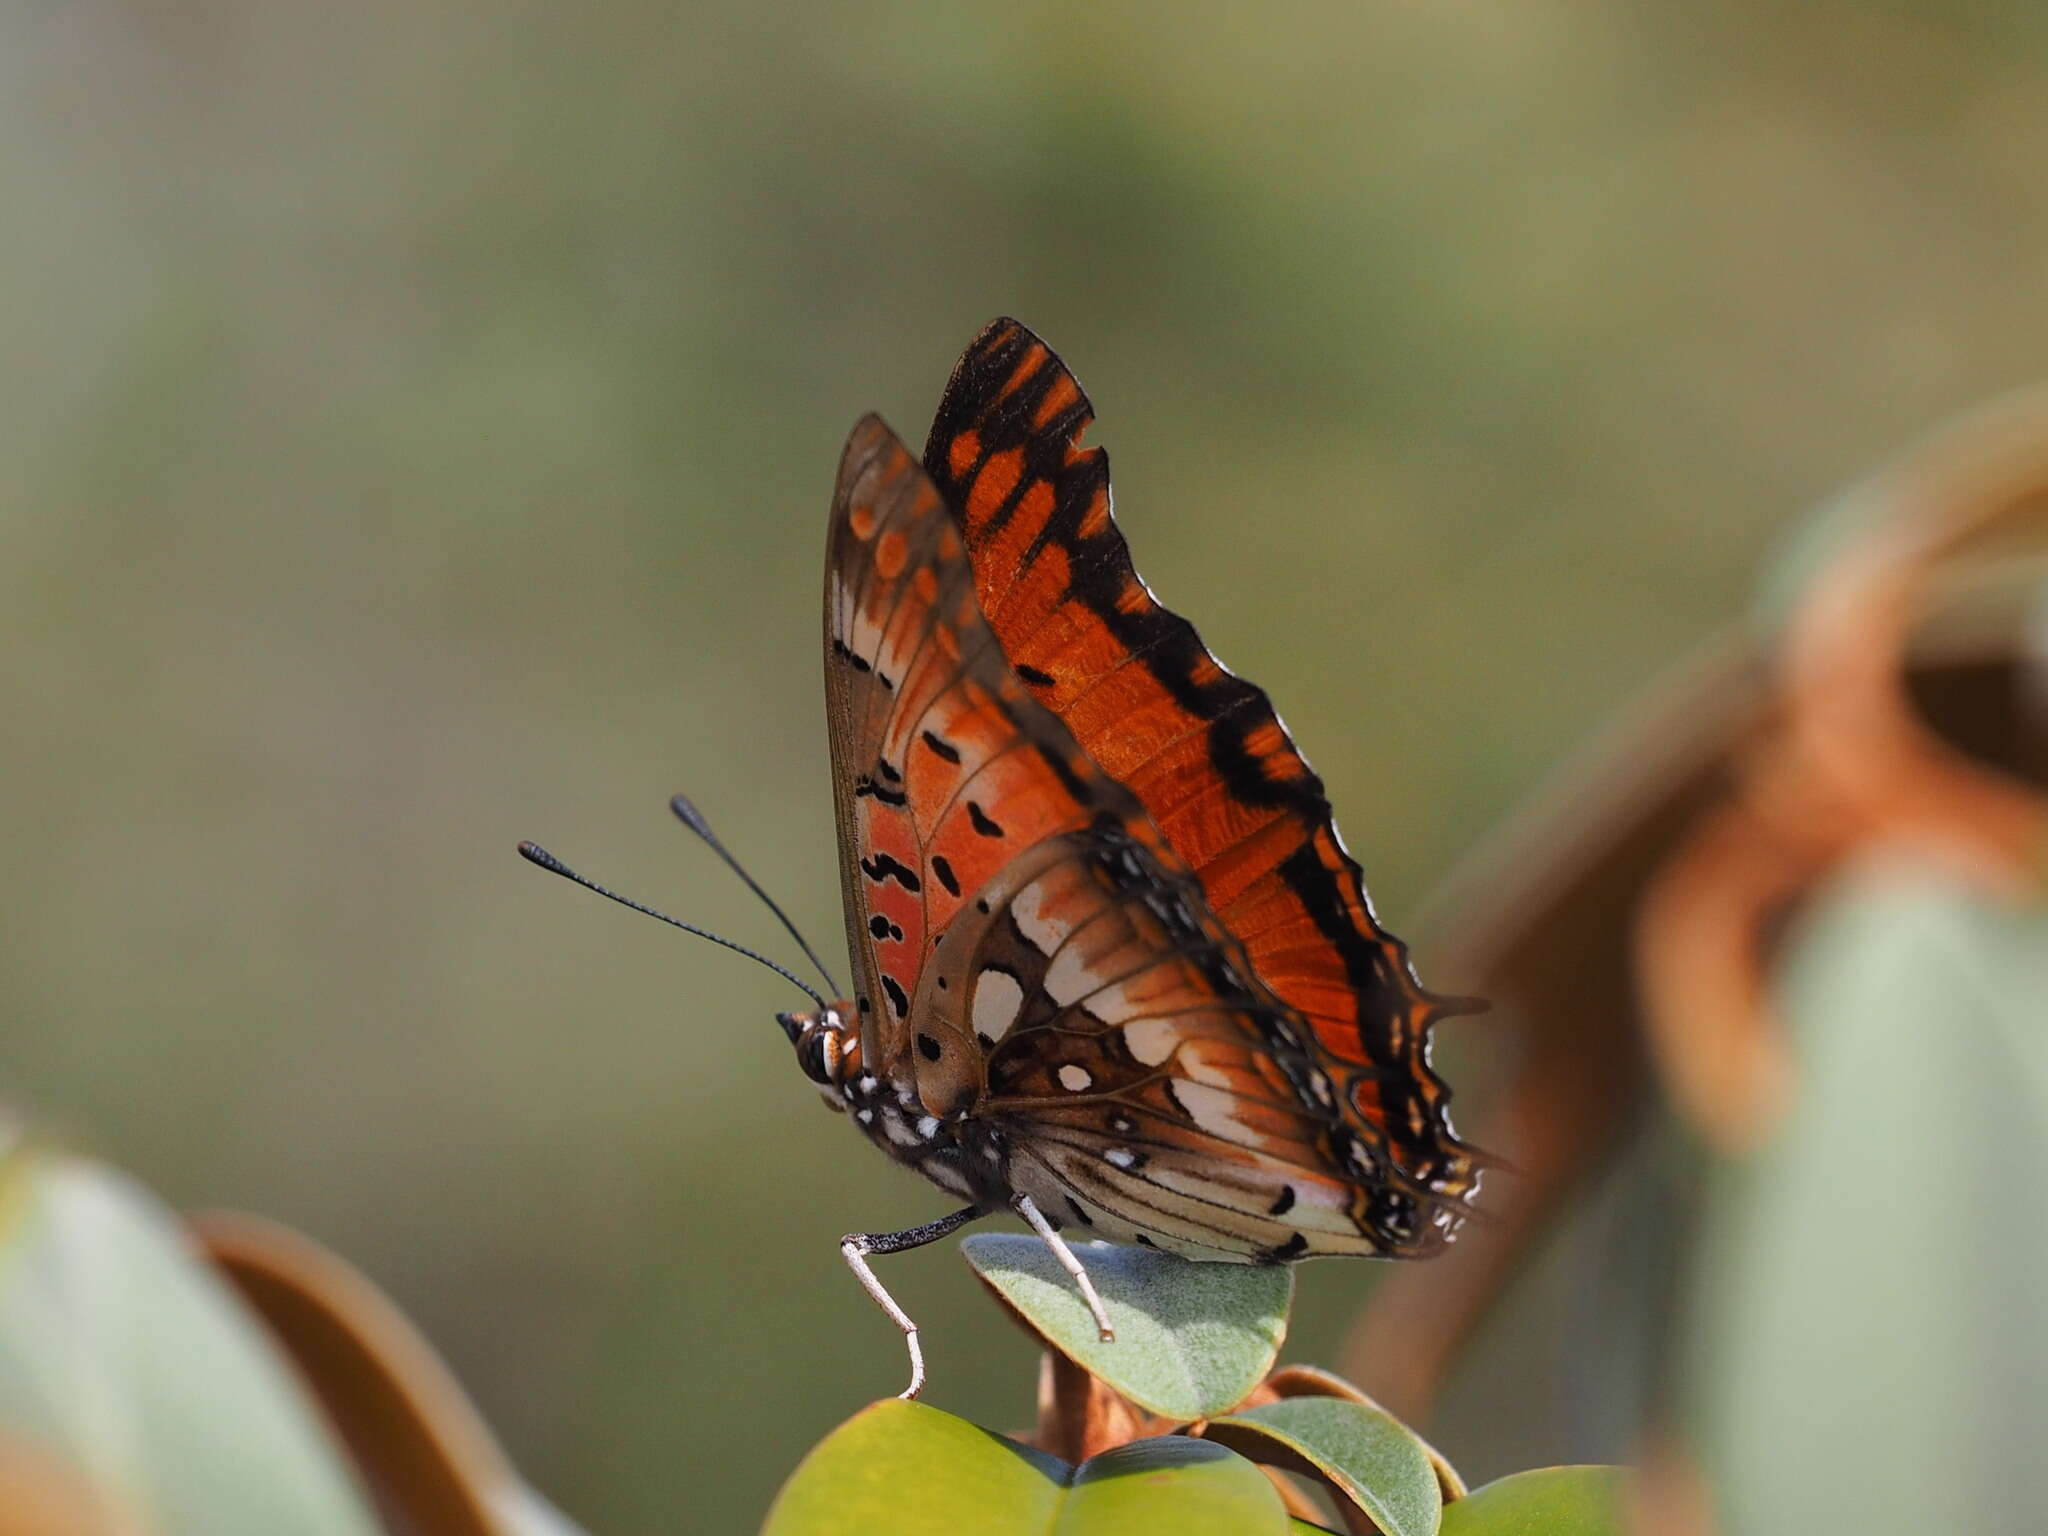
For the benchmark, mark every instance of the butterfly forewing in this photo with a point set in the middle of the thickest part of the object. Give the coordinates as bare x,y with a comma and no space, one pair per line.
1200,748
945,770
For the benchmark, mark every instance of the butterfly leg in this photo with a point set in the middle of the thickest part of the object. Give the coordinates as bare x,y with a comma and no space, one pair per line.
1031,1213
856,1246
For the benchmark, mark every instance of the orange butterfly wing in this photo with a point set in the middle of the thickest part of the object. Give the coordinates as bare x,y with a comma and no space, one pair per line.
1199,747
944,767
1036,962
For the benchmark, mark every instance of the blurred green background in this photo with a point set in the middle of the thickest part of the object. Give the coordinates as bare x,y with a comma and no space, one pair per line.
419,431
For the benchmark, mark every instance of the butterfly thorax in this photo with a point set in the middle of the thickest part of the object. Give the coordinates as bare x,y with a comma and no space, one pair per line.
955,1151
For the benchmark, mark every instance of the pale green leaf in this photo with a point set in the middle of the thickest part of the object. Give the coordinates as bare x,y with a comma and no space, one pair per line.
1191,1339
132,1365
1868,1353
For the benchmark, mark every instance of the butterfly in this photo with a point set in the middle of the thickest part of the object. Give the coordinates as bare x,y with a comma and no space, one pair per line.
1114,968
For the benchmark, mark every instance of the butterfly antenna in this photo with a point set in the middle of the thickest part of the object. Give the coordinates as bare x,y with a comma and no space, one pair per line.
688,814
533,853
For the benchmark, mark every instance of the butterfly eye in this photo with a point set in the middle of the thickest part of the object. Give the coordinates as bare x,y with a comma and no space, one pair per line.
817,1052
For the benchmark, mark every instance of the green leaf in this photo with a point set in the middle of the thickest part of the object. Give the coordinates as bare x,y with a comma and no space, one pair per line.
1188,1487
131,1367
916,1471
1364,1454
1191,1339
1313,1381
911,1470
1551,1501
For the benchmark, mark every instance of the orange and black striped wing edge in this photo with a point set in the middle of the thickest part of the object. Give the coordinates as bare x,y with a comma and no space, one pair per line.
1200,747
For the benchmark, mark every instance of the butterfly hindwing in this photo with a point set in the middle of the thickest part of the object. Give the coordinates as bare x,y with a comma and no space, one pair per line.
1142,1078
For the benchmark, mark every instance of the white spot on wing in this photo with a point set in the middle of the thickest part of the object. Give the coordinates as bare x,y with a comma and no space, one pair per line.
1027,909
854,629
1074,1079
1197,1064
1213,1109
1134,997
997,1001
1151,1040
1121,1157
1070,976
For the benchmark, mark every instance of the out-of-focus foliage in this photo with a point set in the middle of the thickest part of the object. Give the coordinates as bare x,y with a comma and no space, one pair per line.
1793,914
421,427
135,1394
1868,1353
224,1376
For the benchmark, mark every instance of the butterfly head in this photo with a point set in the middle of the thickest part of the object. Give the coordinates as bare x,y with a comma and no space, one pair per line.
827,1045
